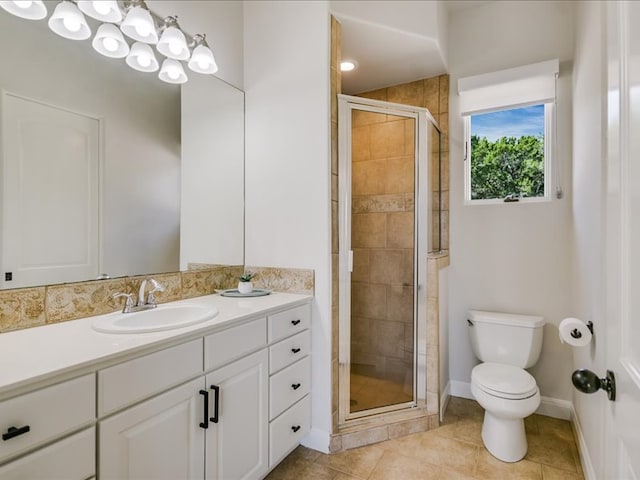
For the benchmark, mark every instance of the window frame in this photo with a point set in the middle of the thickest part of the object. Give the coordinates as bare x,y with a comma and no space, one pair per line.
549,141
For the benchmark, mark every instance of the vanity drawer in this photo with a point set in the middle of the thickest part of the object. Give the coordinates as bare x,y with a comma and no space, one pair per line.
288,386
131,381
289,322
289,350
45,414
73,458
286,431
235,342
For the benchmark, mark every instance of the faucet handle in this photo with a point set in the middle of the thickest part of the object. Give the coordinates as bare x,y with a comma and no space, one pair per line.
128,304
156,287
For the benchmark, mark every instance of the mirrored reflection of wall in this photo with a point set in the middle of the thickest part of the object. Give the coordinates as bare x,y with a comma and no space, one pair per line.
140,167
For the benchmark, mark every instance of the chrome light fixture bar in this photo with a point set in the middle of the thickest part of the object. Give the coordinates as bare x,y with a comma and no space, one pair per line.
136,21
31,10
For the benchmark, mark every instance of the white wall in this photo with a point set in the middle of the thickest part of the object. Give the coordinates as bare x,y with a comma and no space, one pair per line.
288,165
511,257
443,331
589,131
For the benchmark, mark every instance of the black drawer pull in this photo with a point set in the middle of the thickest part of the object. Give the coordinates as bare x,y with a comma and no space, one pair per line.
15,432
216,403
295,386
295,350
295,322
205,424
295,429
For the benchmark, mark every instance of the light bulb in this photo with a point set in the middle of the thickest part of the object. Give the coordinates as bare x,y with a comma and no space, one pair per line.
110,44
144,61
101,7
22,3
175,48
143,29
71,23
203,63
173,73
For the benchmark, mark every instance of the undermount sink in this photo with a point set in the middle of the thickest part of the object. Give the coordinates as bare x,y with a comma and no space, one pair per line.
164,317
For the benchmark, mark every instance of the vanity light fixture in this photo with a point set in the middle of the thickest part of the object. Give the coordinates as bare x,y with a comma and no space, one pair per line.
110,42
172,72
142,58
172,43
138,24
69,22
103,10
348,65
202,60
31,10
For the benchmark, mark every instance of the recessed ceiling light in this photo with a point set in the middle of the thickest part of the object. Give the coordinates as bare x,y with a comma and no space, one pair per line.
347,65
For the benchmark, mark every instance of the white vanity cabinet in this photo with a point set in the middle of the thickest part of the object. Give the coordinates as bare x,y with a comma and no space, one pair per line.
226,405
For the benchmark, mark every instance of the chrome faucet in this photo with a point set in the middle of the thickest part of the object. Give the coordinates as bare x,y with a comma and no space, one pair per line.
141,304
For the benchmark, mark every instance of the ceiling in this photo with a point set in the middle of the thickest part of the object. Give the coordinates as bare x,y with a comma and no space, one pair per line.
394,42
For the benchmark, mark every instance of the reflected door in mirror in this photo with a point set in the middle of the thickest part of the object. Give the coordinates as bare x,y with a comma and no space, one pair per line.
50,219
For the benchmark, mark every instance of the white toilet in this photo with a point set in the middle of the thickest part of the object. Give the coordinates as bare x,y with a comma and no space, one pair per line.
507,344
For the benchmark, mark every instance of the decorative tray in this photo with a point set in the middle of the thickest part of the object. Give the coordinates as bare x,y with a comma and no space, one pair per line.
256,292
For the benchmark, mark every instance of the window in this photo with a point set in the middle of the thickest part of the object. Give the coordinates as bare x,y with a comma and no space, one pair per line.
506,154
509,120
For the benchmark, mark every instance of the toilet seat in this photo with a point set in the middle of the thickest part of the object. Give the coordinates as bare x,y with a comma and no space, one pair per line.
504,381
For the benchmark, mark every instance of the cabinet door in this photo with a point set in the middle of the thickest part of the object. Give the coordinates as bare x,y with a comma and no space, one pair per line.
236,446
160,439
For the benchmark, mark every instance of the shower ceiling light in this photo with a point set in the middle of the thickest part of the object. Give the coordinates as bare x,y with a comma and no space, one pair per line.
142,58
172,72
103,10
139,25
348,65
202,60
172,43
31,10
110,42
69,22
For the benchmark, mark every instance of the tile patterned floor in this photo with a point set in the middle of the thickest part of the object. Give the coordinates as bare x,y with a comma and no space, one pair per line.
452,452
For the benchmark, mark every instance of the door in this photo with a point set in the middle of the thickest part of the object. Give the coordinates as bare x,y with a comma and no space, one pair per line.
160,439
384,226
236,446
623,239
50,194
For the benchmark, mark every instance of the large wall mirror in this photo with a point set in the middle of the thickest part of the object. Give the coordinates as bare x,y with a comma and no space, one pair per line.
109,171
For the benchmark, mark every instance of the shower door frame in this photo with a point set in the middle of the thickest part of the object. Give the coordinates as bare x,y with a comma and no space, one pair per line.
422,234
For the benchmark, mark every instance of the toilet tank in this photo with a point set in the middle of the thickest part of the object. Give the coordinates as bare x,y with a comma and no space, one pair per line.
505,338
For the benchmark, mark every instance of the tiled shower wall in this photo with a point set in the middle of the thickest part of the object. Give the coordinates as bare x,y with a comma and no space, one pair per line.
382,237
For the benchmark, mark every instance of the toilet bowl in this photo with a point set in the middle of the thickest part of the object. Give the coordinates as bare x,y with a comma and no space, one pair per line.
507,344
508,394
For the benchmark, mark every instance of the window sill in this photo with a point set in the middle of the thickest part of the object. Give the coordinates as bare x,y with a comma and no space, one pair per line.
499,201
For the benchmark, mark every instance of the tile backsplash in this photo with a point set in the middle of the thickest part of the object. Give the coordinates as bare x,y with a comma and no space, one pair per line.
35,306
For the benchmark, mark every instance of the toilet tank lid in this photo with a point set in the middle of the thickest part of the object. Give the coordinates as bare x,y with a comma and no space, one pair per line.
530,321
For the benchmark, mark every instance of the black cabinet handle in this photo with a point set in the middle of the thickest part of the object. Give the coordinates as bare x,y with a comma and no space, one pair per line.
15,432
295,386
295,350
205,424
216,403
295,429
295,322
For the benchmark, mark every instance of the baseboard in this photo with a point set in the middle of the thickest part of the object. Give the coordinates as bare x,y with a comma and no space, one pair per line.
554,407
444,400
549,407
317,439
585,459
461,389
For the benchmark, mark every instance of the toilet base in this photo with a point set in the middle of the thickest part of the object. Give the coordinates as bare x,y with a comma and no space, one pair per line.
505,438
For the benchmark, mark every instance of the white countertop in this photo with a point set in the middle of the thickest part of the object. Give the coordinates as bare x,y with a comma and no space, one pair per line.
30,356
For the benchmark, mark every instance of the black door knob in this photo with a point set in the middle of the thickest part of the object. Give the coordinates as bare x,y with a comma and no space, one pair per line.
588,382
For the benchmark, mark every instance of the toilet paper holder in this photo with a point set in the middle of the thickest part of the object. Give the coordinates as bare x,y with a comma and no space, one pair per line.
575,333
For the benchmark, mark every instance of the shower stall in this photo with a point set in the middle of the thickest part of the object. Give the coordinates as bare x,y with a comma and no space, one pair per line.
389,174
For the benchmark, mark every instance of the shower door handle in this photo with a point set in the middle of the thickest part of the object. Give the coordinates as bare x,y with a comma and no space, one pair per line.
350,261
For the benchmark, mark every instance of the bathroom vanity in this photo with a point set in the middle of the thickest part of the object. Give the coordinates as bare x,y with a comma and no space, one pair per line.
223,399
